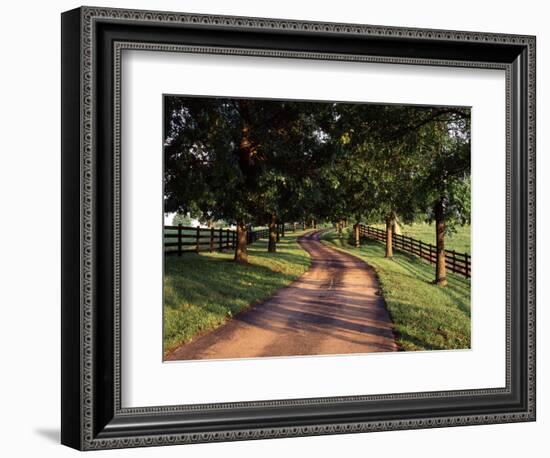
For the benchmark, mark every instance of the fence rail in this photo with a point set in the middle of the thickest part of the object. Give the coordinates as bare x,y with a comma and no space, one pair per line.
188,239
459,263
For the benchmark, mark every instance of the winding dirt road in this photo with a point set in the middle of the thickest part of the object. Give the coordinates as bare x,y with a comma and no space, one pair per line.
334,308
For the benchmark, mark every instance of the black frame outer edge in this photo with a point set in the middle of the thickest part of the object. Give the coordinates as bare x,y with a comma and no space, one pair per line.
70,229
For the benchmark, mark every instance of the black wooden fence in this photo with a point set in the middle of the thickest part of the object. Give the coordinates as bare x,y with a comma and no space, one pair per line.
188,239
455,262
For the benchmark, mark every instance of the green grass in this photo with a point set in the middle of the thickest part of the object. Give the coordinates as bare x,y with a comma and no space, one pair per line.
459,241
425,316
202,291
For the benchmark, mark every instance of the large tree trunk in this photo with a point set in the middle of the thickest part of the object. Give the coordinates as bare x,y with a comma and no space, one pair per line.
240,248
389,236
339,226
314,224
272,244
440,268
356,235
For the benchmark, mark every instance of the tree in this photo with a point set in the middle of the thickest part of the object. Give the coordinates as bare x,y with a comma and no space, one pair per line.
211,161
445,187
379,166
236,159
424,157
183,219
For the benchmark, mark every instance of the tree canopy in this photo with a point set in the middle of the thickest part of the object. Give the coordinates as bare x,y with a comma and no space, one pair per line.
254,161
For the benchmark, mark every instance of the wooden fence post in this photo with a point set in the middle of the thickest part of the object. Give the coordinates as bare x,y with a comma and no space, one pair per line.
221,239
454,261
211,239
198,248
179,239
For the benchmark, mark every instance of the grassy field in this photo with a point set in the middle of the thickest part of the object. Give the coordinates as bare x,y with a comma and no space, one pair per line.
459,241
202,291
426,317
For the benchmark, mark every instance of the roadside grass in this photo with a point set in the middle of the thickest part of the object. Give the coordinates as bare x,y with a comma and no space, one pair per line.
202,291
425,316
459,241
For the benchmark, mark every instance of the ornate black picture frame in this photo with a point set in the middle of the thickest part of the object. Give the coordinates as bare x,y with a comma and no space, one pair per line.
92,41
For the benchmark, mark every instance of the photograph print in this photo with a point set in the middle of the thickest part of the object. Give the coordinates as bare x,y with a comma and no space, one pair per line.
308,228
